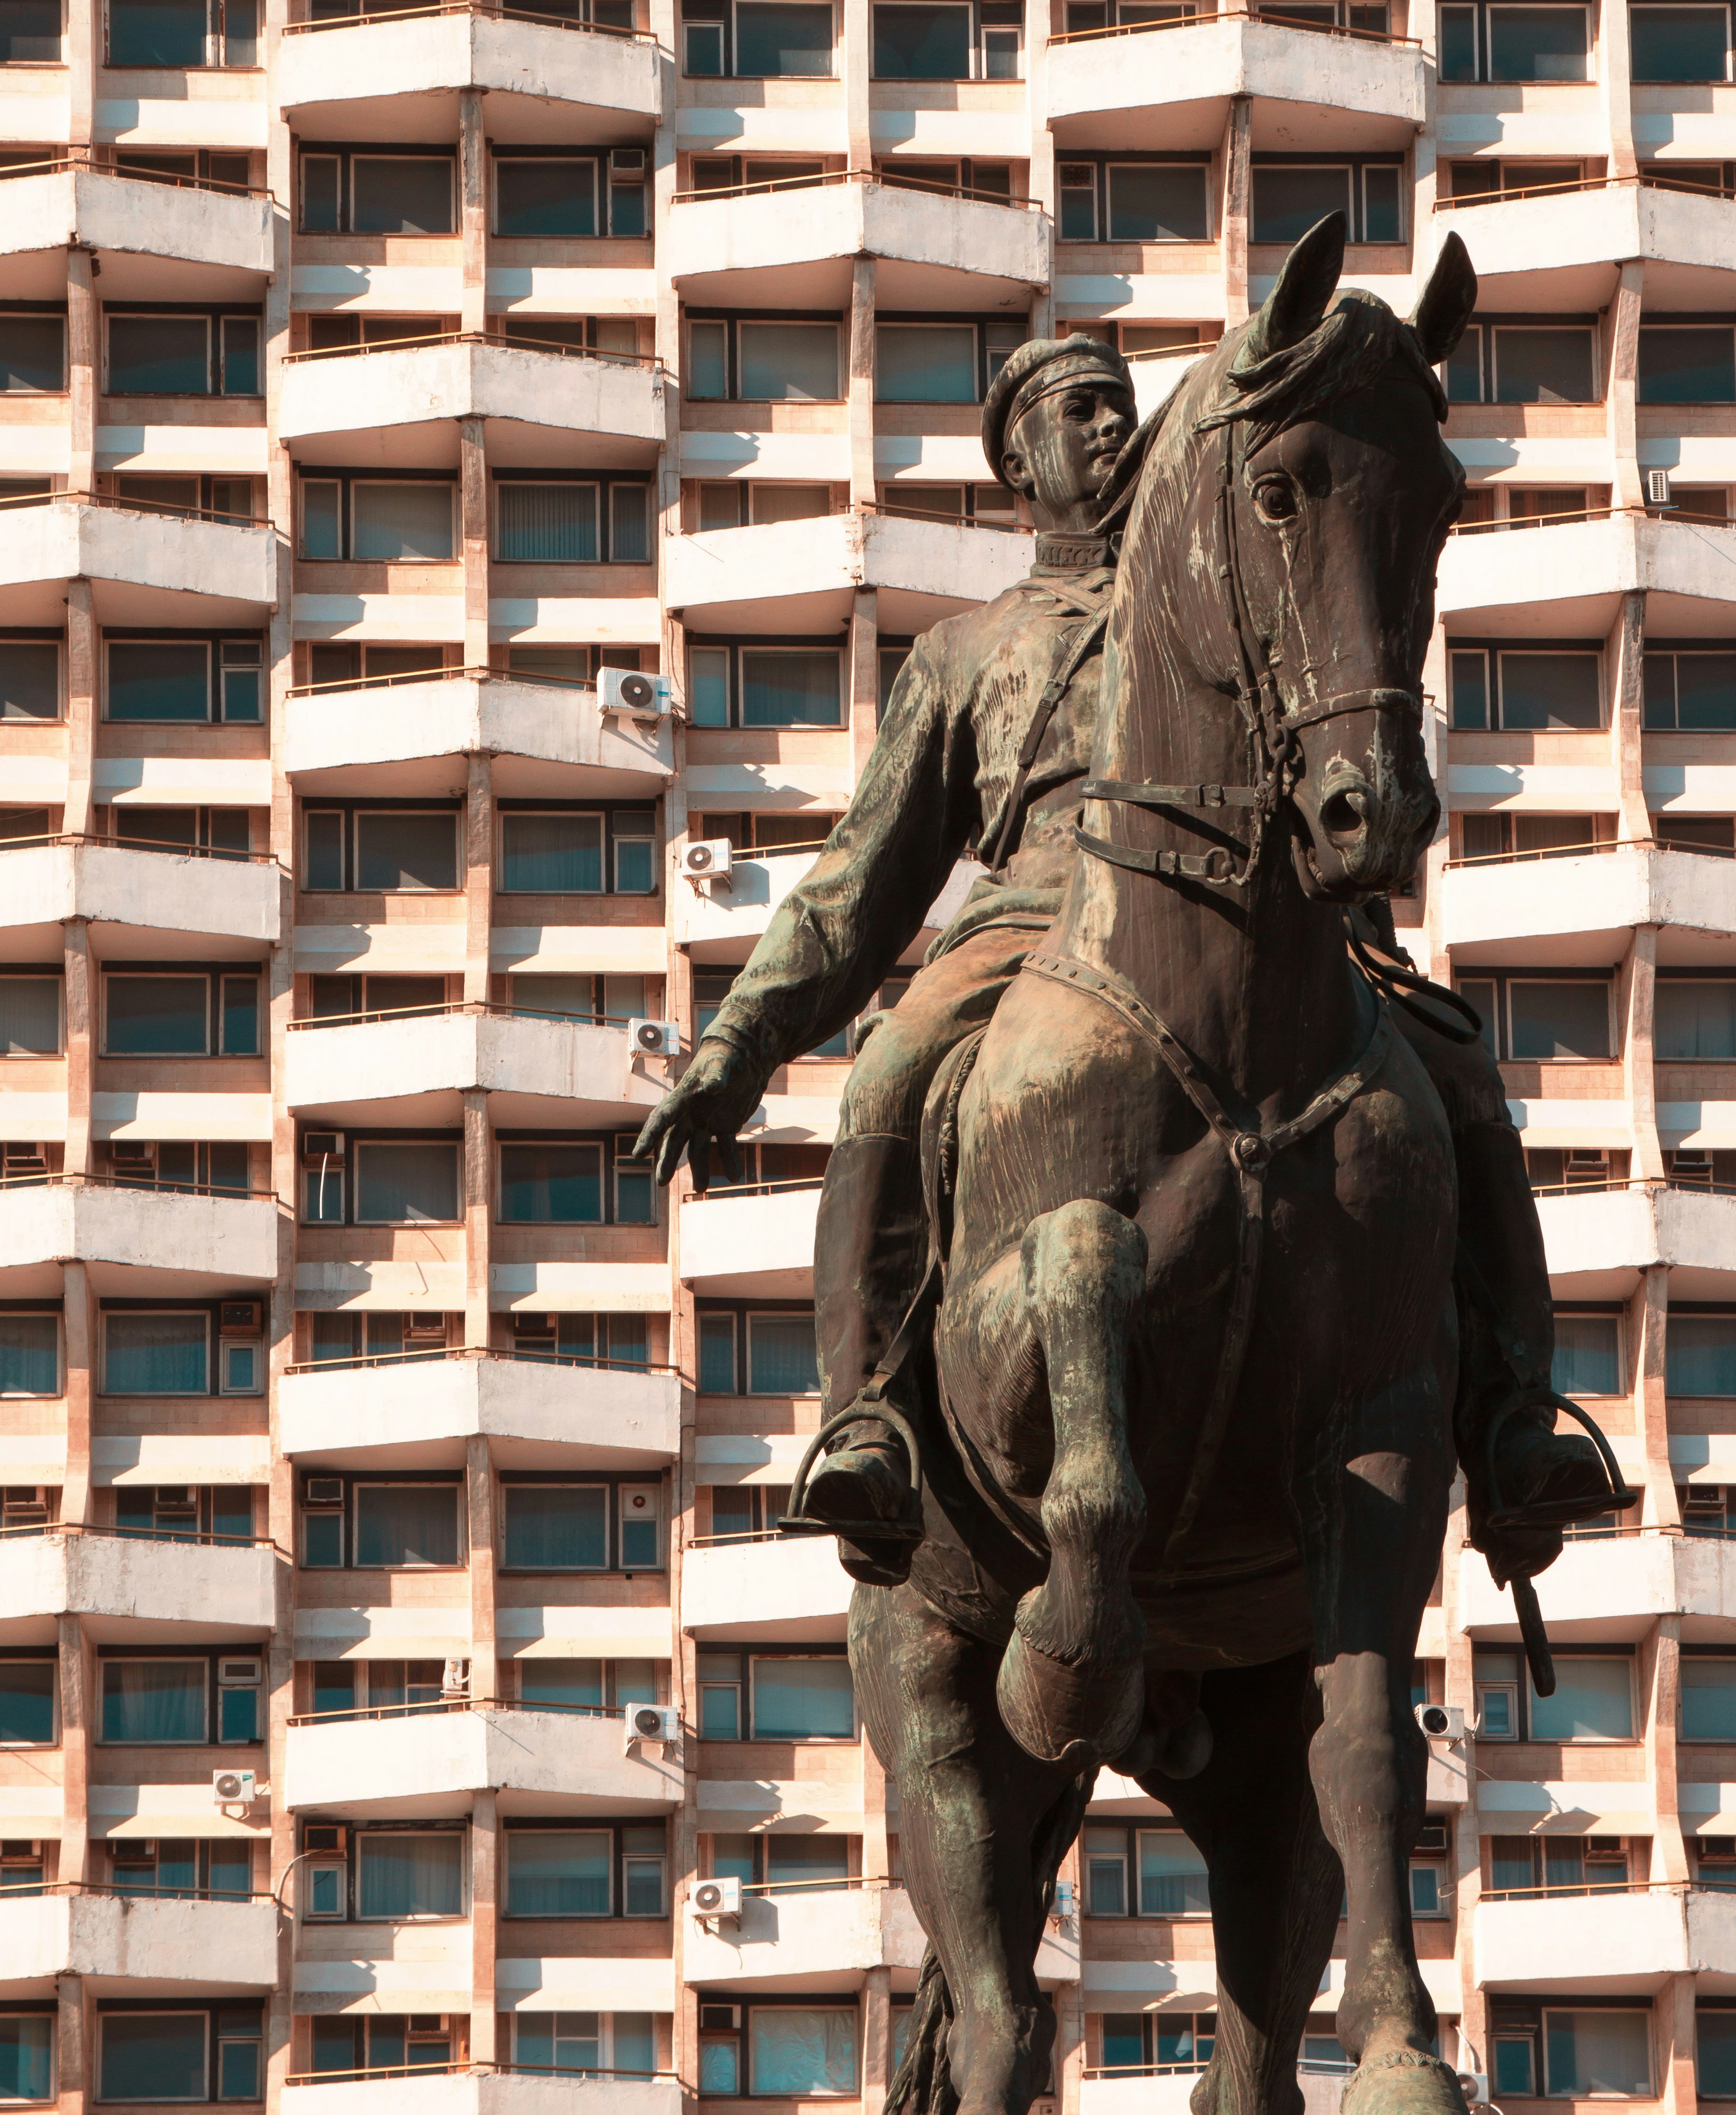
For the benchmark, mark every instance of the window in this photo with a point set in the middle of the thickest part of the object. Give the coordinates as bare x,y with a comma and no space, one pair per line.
1143,1872
1500,41
1693,692
564,196
772,39
373,193
387,849
1133,2042
765,686
934,40
389,2042
782,1355
1288,197
1587,1359
30,679
1696,1018
797,2049
547,524
183,355
551,1185
29,30
615,1340
1551,1019
1524,364
155,1702
185,681
181,1868
183,33
407,1527
1679,43
377,1687
764,362
1597,2054
939,363
1684,365
154,1015
27,2053
30,1016
619,2043
556,1527
399,521
592,1684
571,1872
572,852
28,1690
1708,1699
1593,1699
1493,688
33,349
151,1352
796,1699
409,1874
1700,1355
29,1355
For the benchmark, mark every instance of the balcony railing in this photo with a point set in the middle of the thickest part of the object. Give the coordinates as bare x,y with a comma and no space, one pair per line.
829,178
1586,514
210,1541
454,1353
1237,15
493,1008
649,359
493,10
892,509
476,669
758,1189
1645,182
63,1181
1579,852
128,1891
445,1706
465,2067
59,164
120,504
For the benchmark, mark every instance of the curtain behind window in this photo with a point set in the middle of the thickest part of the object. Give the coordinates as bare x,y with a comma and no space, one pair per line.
551,1185
153,2056
551,524
557,1527
789,363
545,195
406,1182
558,1872
153,1700
400,1525
559,2041
155,1017
158,680
30,677
802,2050
1587,1358
790,690
411,1875
560,1681
30,1016
402,520
1694,1020
27,1694
1171,1875
1593,1699
782,1356
26,2057
160,356
401,849
400,195
803,1698
557,854
155,1355
29,1355
926,363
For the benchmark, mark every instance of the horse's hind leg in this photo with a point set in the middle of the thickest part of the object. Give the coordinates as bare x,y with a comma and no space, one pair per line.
1072,1683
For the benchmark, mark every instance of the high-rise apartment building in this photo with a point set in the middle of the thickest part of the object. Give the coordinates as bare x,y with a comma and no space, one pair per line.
392,1635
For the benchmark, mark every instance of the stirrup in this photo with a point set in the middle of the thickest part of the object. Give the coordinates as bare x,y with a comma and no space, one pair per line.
1560,1513
906,1526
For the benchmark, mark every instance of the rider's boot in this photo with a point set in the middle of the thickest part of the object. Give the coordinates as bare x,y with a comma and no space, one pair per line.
870,1249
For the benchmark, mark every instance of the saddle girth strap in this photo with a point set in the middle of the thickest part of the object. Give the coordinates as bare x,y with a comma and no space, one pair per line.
1080,644
1252,1147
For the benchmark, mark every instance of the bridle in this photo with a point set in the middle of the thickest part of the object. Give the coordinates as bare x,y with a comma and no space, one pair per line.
1273,731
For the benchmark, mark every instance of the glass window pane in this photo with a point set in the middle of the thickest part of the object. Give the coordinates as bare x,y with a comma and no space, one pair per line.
160,355
789,363
798,2050
29,30
635,2043
402,520
154,1700
1558,1019
321,530
557,1527
1591,2055
1696,1020
1715,2035
411,1875
796,1699
153,2056
782,1355
27,1689
551,1185
29,679
570,1682
922,43
1171,1874
791,690
1687,366
539,196
398,1524
778,39
238,2069
398,848
557,854
1541,690
27,2056
1700,1355
629,524
155,1017
1593,1698
29,1355
716,1355
707,685
1678,44
157,33
1705,692
1289,201
395,195
406,1182
32,349
557,1873
155,1354
30,1016
1382,221
1549,366
155,679
708,368
1587,1359
926,363
1150,202
1708,1699
1537,44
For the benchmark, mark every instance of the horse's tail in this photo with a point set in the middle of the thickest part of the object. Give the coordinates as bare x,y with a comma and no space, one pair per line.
922,2085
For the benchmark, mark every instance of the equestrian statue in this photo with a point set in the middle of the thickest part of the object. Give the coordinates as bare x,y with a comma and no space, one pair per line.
1176,1247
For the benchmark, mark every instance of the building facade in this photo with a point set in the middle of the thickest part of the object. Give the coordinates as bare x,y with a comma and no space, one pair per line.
393,1632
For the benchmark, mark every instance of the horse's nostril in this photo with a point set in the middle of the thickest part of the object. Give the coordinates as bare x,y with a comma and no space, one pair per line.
1341,814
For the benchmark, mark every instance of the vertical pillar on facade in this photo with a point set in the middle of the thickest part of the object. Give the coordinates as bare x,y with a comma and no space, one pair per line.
1648,1314
1621,351
1615,83
82,357
1638,1046
80,1000
81,688
474,512
478,874
857,58
1660,1687
478,1498
1458,1760
1422,21
1678,2094
1235,154
1624,657
478,1193
485,1913
77,1705
78,1325
1040,186
862,382
876,2032
473,211
1067,2065
83,23
72,2054
865,676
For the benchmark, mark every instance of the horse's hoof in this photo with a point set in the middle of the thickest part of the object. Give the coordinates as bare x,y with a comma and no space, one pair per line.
1184,1751
1407,2082
1074,1717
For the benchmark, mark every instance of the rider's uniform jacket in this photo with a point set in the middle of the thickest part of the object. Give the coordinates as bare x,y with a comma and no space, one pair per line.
937,786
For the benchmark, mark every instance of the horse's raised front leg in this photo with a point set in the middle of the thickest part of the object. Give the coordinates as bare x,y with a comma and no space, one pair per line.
1375,1517
1071,1684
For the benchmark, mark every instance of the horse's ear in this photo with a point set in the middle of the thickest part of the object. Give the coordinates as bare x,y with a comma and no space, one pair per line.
1306,282
1447,301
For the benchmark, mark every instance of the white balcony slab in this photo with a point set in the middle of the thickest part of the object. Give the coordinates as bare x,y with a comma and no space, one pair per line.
509,2094
1566,580
1169,2095
146,568
134,1591
1611,1945
470,714
1614,1589
933,251
791,1591
138,1948
433,1764
1306,88
799,577
720,920
1516,911
387,407
536,1417
1563,252
818,1939
135,1242
128,893
171,237
341,78
420,1067
750,1245
1616,1234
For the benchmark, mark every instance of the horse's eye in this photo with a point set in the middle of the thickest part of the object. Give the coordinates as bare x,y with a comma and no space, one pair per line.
1275,499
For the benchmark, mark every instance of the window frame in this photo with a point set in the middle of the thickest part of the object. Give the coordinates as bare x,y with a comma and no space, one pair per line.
345,483
735,683
730,322
1520,1687
1674,7
353,1198
25,313
752,1660
614,817
346,157
365,1833
164,1657
217,1010
1504,980
1675,652
352,813
1494,654
1483,43
219,647
406,1480
12,1656
30,974
1356,168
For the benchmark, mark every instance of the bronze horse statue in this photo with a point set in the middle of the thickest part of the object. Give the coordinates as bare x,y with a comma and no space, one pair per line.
1196,1202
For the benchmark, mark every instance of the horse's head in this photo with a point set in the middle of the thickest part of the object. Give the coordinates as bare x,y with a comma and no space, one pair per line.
1341,492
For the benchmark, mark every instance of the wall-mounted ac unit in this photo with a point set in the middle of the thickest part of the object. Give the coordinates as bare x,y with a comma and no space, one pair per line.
1657,488
652,1722
708,859
654,1039
232,1788
627,691
322,1148
712,1898
240,1318
1441,1722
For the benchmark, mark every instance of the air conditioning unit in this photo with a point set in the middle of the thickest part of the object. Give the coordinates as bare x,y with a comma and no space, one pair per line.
25,1505
1062,1908
1441,1722
322,1491
1474,2085
714,1898
240,1318
17,1158
329,1837
653,1722
322,1149
627,691
232,1788
708,859
654,1039
627,164
424,1329
1657,488
720,2019
455,1678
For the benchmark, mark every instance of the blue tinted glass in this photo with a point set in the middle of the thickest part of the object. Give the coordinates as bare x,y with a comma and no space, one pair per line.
29,1355
154,680
160,355
924,43
533,196
557,1527
783,37
551,1185
1687,366
26,1703
153,2056
26,2056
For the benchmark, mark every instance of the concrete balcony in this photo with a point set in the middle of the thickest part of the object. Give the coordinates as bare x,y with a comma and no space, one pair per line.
720,920
808,1939
418,1413
784,1590
349,728
799,577
138,1945
387,407
152,240
1564,580
127,891
416,1069
130,1590
1169,2092
786,246
150,569
758,1243
382,79
138,1241
1613,1235
1514,910
430,1764
1171,84
1613,1945
1564,249
483,2092
1612,1589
